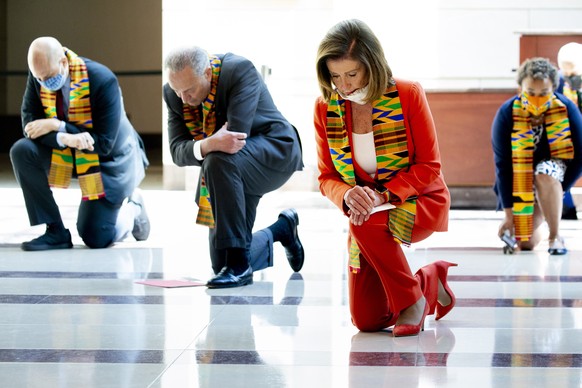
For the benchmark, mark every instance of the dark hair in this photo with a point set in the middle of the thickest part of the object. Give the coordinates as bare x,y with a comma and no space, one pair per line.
353,39
538,68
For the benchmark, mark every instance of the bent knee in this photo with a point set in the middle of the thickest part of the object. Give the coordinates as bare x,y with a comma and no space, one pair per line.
96,238
216,160
365,326
22,149
369,323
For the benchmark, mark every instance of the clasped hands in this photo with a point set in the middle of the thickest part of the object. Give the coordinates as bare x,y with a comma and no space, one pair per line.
224,140
360,201
40,127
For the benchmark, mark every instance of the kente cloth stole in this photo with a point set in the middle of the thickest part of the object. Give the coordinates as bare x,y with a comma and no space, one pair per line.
62,161
391,156
201,126
557,128
570,93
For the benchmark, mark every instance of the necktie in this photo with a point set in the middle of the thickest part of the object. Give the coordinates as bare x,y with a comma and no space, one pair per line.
59,106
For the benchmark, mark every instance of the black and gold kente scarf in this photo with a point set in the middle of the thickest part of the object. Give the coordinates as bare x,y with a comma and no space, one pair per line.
202,125
391,156
86,164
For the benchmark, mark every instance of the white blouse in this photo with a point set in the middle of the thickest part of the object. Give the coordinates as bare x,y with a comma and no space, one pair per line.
365,152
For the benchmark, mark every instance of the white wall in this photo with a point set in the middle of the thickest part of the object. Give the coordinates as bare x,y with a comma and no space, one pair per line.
447,44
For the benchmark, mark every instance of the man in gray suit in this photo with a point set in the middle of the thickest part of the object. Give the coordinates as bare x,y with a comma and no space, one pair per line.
221,117
74,125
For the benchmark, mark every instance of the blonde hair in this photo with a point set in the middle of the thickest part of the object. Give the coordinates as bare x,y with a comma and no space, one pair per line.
353,39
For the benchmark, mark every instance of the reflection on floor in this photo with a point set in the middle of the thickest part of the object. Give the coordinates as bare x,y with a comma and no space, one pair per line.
77,318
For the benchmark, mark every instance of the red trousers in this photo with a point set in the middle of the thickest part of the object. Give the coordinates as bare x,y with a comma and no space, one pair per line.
385,284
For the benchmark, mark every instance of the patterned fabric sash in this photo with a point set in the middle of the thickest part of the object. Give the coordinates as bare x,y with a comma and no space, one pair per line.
62,161
557,128
391,156
201,126
570,93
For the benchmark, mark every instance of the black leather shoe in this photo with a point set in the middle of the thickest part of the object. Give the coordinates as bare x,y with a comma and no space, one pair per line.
141,224
293,247
49,240
226,278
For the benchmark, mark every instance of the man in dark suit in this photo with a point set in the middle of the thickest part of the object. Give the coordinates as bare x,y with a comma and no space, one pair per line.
221,117
75,126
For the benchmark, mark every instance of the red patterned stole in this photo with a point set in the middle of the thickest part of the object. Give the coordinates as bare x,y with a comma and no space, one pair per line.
201,126
557,128
86,164
391,156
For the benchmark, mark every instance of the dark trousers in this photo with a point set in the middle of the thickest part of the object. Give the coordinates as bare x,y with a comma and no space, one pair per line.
96,219
236,184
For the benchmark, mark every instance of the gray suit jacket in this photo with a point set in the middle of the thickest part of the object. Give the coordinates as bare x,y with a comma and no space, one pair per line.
242,100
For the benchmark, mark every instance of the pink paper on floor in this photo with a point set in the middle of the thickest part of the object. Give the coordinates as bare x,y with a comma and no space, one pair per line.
171,283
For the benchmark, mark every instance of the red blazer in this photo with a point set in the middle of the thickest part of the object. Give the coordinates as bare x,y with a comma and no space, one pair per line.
422,179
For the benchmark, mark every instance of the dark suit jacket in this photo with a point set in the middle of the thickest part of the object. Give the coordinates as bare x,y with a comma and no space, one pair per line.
242,100
121,155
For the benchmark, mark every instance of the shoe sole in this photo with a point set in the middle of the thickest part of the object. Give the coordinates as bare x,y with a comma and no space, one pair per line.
46,247
242,284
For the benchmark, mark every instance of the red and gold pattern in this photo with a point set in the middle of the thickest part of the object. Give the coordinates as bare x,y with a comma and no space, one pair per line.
522,144
391,156
201,126
86,164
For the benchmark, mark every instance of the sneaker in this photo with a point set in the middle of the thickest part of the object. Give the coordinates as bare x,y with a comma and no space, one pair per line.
141,224
557,247
49,240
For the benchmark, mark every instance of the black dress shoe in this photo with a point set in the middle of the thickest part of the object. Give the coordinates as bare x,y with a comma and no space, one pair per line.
293,247
226,278
141,224
49,240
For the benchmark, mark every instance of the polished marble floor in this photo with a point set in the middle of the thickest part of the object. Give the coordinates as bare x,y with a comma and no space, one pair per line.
78,318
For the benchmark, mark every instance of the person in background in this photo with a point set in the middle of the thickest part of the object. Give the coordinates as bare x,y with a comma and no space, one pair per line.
570,66
221,117
377,148
537,147
75,125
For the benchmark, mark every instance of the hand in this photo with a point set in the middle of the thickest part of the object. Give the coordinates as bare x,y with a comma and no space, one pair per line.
80,141
37,128
360,201
507,224
379,199
225,141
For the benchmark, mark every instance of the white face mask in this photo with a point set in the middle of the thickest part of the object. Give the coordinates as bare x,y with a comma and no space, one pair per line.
358,96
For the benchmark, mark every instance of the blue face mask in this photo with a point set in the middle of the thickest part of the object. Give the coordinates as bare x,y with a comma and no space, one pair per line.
54,83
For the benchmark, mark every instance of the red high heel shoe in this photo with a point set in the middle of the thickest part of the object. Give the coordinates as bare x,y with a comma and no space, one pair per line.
408,330
443,268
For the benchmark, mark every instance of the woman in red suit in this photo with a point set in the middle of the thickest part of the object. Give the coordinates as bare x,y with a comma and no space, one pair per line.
377,147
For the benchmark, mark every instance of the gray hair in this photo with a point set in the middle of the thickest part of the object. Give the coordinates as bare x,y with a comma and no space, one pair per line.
193,57
538,68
